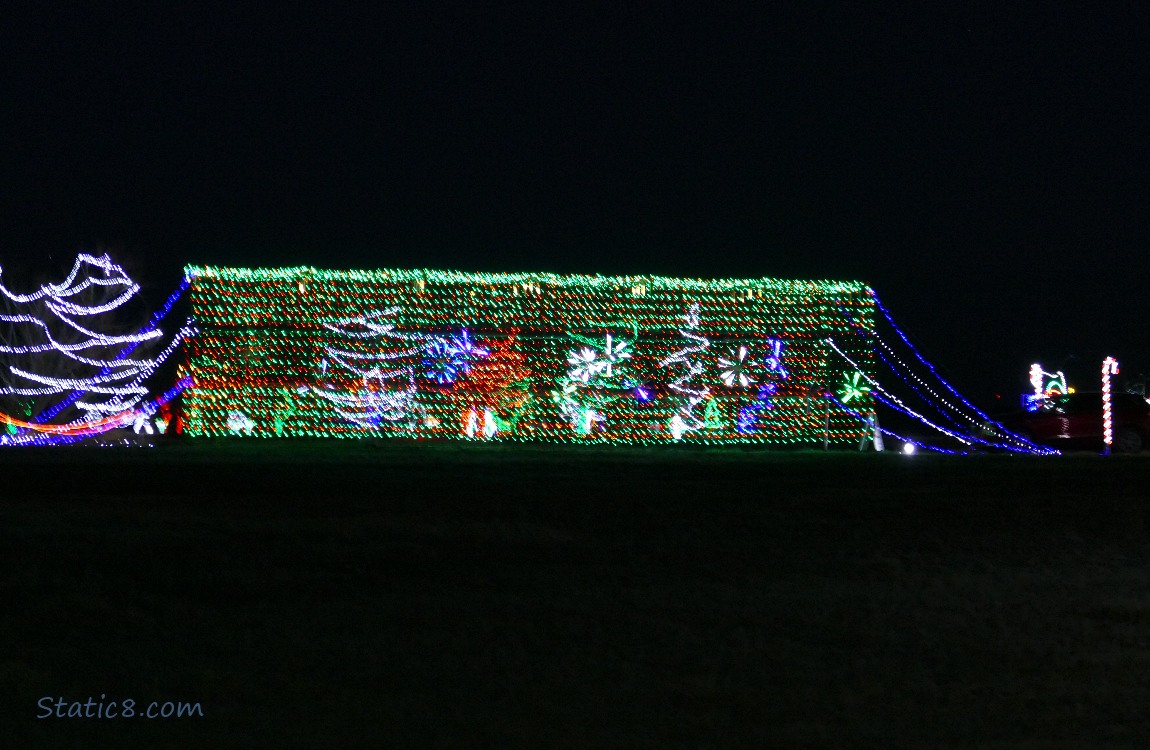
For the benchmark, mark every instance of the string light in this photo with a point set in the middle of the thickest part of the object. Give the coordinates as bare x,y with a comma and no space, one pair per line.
892,400
307,352
1045,384
1012,441
888,399
830,397
686,420
155,321
369,397
41,434
952,413
106,398
1109,367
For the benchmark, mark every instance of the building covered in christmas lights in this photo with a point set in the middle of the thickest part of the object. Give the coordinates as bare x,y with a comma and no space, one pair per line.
526,356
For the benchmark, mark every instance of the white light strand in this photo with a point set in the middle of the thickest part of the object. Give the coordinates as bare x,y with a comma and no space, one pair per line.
62,306
118,379
976,424
51,344
119,404
875,384
58,385
686,420
886,314
1109,367
66,288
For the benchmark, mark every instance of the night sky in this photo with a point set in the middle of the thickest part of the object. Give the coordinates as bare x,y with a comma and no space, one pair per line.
986,171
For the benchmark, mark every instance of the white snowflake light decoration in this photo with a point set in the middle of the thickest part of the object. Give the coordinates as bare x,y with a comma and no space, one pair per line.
613,353
734,369
585,364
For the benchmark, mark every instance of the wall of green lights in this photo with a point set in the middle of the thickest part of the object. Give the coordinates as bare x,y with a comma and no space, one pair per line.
524,357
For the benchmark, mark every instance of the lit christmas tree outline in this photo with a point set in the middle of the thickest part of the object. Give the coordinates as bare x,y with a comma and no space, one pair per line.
373,400
685,419
54,329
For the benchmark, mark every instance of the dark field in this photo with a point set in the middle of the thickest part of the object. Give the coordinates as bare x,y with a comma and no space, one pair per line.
346,595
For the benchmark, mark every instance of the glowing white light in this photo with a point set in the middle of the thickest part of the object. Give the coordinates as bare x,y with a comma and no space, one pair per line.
613,352
375,399
116,387
908,448
240,423
587,385
734,369
1036,380
142,424
686,420
1109,367
1046,383
585,364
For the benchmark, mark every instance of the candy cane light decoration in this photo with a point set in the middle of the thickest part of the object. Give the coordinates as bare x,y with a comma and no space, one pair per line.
1109,367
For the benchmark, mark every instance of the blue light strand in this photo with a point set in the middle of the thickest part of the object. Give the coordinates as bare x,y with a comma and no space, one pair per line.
966,428
903,376
966,433
918,392
1021,445
146,410
898,405
929,366
124,353
1030,446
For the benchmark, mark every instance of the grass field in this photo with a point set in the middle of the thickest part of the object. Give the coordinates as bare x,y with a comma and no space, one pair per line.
348,594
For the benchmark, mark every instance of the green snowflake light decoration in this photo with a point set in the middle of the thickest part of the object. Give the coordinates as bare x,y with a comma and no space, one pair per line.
854,387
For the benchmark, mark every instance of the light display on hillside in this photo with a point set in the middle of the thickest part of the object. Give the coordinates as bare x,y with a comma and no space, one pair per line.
70,364
532,356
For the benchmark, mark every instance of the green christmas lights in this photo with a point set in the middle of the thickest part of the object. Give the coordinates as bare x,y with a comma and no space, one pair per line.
525,356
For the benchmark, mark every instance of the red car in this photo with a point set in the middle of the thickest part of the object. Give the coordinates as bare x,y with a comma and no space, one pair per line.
1075,421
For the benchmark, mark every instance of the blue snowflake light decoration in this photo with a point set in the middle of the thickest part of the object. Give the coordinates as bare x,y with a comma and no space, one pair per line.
447,359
